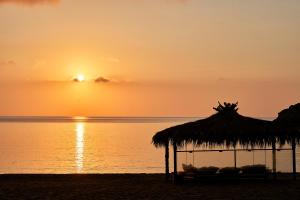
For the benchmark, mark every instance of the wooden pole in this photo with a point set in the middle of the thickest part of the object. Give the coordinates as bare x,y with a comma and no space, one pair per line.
175,160
274,158
294,159
167,161
234,157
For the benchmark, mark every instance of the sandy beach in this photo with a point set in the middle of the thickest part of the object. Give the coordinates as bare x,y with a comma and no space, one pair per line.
139,186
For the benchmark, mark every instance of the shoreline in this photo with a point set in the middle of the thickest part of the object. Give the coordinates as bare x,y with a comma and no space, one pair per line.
139,186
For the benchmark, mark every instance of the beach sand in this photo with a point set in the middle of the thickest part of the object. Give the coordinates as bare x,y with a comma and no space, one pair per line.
139,186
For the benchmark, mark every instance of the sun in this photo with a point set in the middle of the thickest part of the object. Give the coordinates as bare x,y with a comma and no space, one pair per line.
80,78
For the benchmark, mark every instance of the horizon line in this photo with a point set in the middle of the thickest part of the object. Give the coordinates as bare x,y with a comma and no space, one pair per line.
101,119
113,116
95,119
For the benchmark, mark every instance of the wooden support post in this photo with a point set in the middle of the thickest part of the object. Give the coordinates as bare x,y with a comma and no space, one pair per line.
294,159
175,160
234,157
167,160
274,158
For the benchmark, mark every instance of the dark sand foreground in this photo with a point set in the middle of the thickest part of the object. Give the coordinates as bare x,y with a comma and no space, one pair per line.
139,186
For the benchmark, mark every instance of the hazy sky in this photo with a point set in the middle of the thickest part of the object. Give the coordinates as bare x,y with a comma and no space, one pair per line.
151,57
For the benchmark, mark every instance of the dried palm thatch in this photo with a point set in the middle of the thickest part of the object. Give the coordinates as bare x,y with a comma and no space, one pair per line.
287,124
226,127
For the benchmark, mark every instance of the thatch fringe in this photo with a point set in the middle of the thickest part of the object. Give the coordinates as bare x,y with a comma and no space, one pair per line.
228,128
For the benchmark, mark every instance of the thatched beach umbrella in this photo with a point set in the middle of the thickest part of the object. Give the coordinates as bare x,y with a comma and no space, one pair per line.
226,127
287,126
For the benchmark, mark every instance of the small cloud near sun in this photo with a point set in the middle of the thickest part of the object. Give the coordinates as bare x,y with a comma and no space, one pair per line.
7,63
101,79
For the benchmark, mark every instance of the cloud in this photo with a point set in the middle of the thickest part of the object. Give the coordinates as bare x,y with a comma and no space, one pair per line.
76,80
29,2
102,80
8,62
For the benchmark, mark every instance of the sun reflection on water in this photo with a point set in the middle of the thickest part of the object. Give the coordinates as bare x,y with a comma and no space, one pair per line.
79,146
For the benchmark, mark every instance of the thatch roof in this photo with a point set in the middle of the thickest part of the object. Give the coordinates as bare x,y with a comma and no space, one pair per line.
287,124
226,127
290,116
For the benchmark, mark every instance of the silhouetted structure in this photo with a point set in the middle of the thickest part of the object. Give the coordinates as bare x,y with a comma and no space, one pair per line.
226,127
287,126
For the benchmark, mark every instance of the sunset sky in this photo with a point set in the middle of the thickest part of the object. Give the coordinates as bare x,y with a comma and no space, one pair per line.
148,57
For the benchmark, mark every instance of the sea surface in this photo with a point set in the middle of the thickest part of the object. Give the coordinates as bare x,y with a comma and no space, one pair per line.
105,145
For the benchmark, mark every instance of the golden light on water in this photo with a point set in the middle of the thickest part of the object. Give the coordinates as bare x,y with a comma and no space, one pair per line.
80,129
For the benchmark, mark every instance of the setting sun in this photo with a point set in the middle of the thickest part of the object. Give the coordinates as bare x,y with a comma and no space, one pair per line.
80,78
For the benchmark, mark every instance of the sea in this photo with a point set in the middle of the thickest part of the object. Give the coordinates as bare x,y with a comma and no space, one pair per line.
68,145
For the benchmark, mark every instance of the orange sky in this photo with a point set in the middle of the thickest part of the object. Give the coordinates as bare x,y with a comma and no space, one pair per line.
158,58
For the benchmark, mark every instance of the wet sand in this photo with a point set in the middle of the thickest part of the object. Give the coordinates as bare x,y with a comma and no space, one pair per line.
139,186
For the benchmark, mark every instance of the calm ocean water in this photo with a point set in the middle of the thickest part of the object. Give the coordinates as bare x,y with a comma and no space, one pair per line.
102,145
